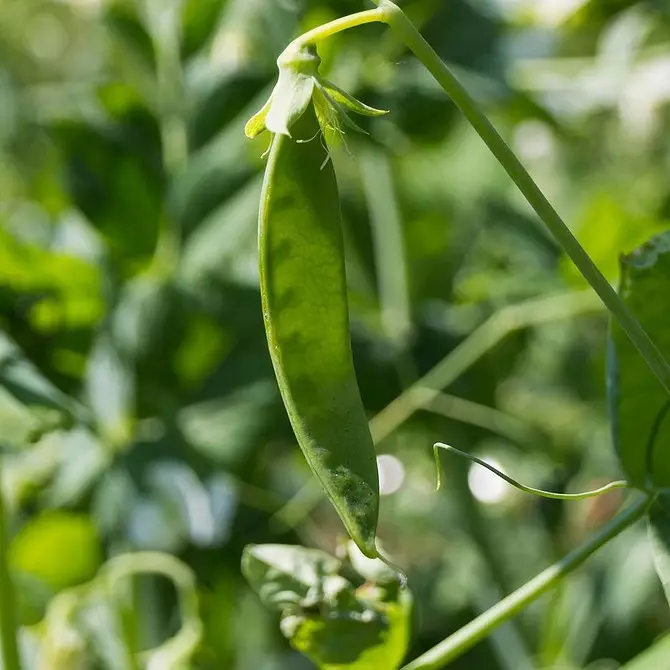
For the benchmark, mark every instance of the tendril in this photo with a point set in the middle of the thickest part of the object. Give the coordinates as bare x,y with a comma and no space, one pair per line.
620,484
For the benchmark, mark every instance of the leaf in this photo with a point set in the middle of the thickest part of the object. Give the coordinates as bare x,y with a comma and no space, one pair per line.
348,101
654,658
636,397
140,315
115,178
376,637
58,548
285,576
223,429
110,389
26,383
324,616
659,535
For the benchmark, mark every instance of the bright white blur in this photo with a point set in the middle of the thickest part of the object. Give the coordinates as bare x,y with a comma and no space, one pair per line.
485,486
391,474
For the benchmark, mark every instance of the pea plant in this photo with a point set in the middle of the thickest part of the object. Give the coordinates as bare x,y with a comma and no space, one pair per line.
352,611
154,513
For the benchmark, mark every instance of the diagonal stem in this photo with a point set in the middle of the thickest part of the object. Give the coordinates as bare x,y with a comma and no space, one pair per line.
10,652
481,627
507,320
403,27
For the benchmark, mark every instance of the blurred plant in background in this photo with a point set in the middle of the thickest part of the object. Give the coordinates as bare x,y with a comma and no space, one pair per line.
137,402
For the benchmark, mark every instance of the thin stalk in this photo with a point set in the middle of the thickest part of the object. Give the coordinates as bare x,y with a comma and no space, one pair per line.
406,31
388,246
163,22
10,650
500,324
474,414
481,627
331,28
619,484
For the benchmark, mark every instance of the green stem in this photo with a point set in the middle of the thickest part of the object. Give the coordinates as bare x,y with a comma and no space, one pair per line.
619,484
179,648
163,22
507,320
321,33
478,629
403,27
10,650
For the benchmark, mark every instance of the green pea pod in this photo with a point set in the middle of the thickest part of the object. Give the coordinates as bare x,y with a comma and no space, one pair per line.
304,294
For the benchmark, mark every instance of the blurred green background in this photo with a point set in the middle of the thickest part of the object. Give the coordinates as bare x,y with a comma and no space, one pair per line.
138,409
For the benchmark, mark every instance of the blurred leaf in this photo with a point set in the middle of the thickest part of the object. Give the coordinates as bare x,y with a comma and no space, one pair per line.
116,179
110,390
346,644
285,576
58,548
140,315
224,244
655,658
378,638
122,17
220,98
62,290
636,397
22,379
199,21
181,492
323,615
659,536
215,172
625,230
82,461
225,428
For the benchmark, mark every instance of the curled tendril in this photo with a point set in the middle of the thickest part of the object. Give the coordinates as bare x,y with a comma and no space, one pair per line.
620,484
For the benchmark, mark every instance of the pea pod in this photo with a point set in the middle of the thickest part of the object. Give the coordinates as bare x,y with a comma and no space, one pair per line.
305,309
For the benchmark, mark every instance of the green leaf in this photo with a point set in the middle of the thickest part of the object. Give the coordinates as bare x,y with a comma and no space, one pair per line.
357,638
325,616
348,101
26,383
285,576
224,429
58,548
636,396
659,536
654,658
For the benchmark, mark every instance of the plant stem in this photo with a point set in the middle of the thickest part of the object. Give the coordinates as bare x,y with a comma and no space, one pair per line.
10,651
177,650
321,33
406,31
458,643
163,22
507,320
612,486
